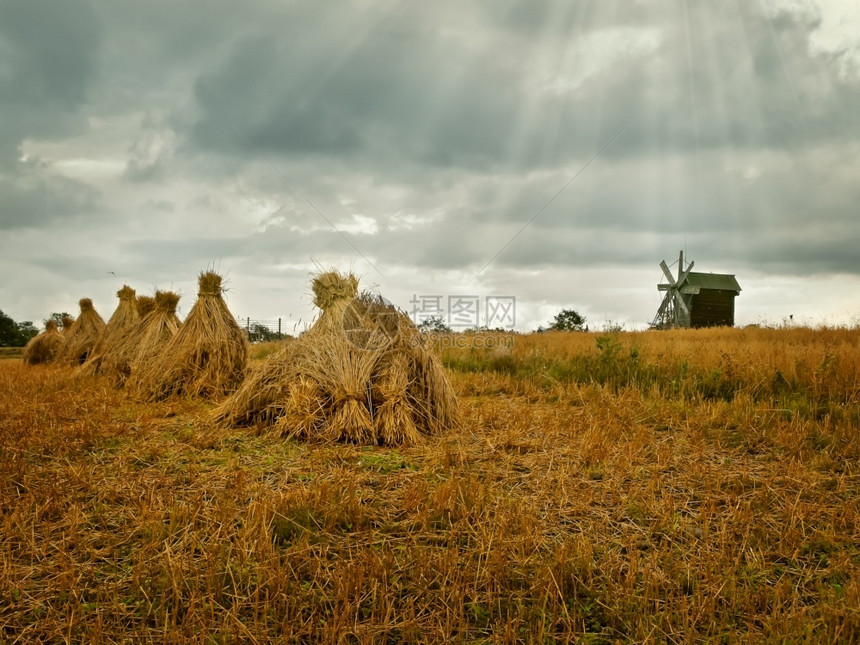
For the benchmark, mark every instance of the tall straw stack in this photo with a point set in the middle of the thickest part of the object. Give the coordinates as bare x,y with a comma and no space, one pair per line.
46,347
68,322
124,319
333,291
362,374
144,304
157,331
157,325
84,334
208,355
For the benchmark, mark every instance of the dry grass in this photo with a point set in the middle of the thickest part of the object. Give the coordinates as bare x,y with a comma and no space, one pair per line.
206,357
563,510
46,347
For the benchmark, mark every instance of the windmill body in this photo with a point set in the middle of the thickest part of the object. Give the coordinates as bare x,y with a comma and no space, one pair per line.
695,299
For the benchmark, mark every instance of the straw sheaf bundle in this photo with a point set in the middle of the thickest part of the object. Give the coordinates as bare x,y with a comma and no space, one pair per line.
46,347
333,292
208,355
156,330
361,375
144,304
68,322
263,396
410,385
124,319
157,325
342,373
84,334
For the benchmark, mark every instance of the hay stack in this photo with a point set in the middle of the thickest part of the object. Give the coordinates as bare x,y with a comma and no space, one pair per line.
68,322
263,396
333,291
362,374
208,355
46,347
84,334
157,330
124,319
158,324
144,304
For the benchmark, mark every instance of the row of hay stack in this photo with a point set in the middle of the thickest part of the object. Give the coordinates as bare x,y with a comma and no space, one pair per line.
145,342
360,374
145,345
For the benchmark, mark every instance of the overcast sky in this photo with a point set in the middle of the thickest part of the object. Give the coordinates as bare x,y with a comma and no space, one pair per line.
412,142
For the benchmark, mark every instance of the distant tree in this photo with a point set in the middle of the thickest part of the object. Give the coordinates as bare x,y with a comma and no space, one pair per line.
568,320
434,324
26,331
491,330
8,331
14,334
58,318
259,333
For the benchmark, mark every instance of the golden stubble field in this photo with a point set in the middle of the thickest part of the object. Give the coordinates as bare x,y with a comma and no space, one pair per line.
697,486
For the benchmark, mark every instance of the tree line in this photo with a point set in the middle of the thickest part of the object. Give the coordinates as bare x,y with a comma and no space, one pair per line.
565,320
17,334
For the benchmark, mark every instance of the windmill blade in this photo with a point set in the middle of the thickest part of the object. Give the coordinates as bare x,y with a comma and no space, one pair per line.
664,304
666,272
679,302
660,318
683,277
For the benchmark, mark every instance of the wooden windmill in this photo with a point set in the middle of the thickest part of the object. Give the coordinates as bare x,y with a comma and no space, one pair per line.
696,299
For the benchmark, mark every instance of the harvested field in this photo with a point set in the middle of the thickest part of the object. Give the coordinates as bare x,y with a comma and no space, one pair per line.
688,486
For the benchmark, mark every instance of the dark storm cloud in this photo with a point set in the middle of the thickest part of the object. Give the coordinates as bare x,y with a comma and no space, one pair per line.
409,92
48,62
400,92
722,84
34,200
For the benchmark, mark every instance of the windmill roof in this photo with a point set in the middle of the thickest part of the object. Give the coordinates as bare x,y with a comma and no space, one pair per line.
721,281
